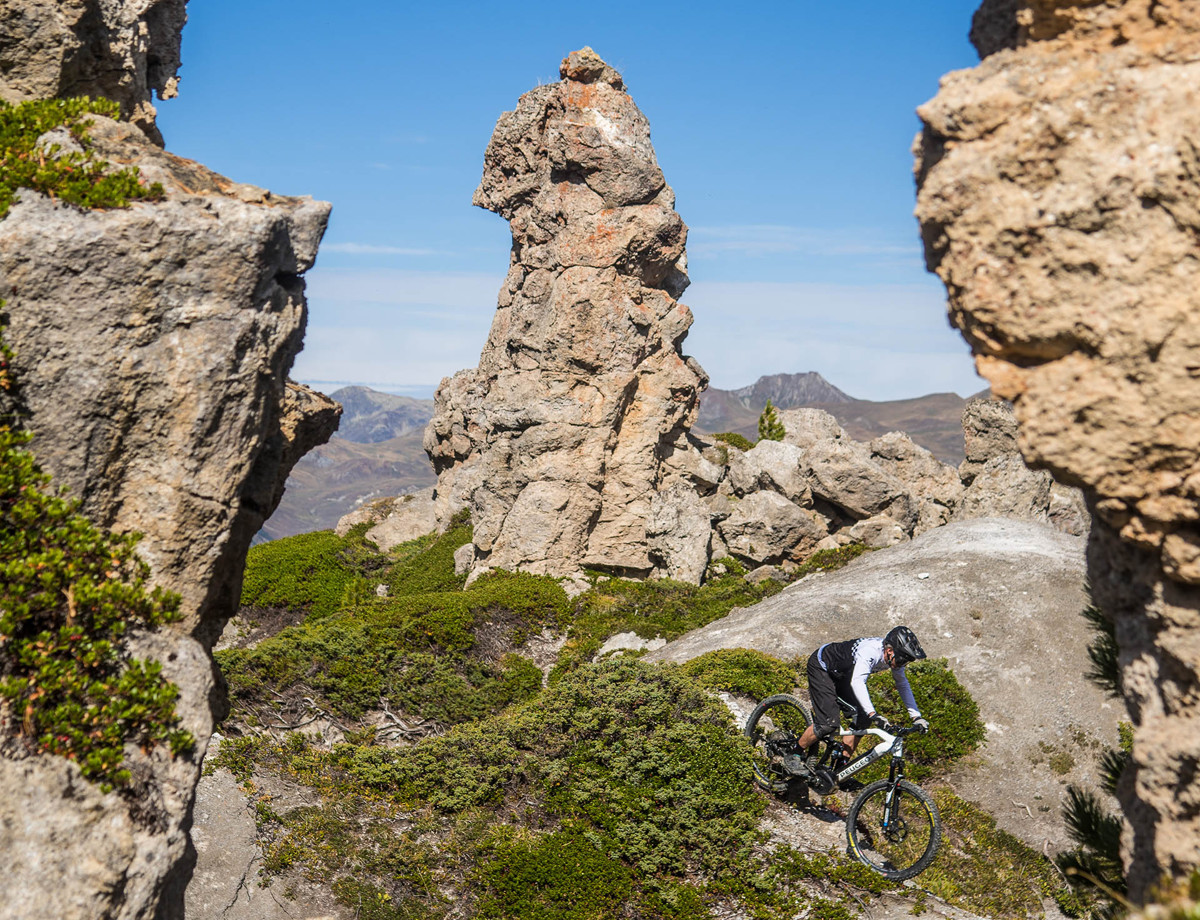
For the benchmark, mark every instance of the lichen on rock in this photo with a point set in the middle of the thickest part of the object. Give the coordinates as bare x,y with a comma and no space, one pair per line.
558,441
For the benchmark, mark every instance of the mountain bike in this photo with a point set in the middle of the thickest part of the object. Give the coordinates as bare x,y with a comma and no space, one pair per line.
893,826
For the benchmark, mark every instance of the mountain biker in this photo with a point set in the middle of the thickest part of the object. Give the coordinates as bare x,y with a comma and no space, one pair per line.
840,669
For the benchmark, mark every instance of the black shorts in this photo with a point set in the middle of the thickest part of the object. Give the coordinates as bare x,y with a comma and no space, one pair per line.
831,695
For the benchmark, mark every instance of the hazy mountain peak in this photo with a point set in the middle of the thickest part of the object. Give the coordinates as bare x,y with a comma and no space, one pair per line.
369,416
788,391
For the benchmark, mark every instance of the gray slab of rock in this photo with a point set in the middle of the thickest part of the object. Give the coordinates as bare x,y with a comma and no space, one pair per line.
628,642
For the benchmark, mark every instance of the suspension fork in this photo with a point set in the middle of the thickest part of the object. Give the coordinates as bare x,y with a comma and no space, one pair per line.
891,810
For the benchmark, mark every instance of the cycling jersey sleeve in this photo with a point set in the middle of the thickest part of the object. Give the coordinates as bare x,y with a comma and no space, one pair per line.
906,693
858,683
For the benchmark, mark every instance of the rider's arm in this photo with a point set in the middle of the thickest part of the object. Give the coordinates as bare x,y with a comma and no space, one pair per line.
906,693
858,683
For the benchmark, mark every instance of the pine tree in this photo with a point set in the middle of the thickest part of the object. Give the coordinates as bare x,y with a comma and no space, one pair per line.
769,426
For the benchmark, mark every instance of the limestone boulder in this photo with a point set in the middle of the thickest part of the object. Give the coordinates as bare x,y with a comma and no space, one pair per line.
766,527
842,473
119,49
411,516
1058,187
989,430
679,532
579,408
771,465
805,427
1006,487
152,350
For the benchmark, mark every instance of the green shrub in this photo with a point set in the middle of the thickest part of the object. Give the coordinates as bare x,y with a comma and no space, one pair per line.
955,728
634,751
414,650
69,595
733,439
828,560
77,178
987,870
769,426
307,572
629,778
742,671
566,875
659,607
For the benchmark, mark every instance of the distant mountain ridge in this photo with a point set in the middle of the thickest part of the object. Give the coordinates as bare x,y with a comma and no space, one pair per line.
376,452
933,421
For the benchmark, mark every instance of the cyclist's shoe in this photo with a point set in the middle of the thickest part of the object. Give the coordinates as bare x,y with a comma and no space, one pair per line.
797,765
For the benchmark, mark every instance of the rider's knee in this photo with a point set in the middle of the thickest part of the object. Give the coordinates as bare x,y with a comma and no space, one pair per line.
824,729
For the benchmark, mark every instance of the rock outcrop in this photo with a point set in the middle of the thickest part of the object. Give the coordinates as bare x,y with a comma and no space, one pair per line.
115,49
578,412
1058,186
152,349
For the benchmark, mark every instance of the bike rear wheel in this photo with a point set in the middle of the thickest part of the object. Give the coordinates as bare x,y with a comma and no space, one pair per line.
897,836
774,730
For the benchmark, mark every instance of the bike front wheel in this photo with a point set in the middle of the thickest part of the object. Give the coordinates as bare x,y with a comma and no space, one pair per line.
896,834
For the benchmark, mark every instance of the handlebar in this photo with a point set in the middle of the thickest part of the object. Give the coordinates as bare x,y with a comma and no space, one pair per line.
886,736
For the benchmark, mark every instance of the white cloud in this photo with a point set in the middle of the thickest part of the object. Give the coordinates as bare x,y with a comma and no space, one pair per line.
361,249
873,341
771,239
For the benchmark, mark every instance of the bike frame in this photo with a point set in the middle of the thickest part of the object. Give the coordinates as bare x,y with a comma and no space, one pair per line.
892,744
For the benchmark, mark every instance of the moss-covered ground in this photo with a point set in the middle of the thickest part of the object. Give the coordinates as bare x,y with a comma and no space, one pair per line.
618,788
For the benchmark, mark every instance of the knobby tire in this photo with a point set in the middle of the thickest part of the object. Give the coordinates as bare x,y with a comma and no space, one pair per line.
773,730
909,846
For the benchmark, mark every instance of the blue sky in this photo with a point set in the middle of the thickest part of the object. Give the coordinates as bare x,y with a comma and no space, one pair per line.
784,128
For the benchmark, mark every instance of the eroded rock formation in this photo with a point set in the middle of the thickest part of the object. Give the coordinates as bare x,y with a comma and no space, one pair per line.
152,347
578,412
116,49
1058,188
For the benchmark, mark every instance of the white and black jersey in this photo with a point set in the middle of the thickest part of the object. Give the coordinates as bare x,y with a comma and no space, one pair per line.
856,660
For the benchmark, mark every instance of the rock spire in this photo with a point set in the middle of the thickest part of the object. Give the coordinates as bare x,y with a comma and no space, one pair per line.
577,415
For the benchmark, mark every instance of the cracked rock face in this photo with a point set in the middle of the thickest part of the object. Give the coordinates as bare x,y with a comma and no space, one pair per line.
119,49
578,411
152,348
1058,187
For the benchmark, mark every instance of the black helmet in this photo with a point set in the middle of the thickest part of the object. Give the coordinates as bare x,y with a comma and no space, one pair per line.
904,644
